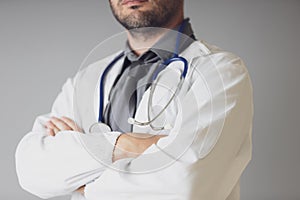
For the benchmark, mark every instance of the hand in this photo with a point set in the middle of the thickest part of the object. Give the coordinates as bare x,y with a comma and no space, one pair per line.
131,145
54,125
81,190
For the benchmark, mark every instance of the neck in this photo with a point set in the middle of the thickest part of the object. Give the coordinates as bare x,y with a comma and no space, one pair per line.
140,40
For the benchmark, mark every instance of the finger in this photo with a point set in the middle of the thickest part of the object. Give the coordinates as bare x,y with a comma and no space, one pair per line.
71,124
81,190
56,130
60,124
50,132
50,125
51,128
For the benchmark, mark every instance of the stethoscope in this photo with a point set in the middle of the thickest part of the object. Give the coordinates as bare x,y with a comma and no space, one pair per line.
101,127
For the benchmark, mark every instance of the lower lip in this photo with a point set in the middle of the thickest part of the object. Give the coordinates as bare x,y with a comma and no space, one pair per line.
134,2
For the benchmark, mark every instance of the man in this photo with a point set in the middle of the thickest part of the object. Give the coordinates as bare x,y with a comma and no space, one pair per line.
200,156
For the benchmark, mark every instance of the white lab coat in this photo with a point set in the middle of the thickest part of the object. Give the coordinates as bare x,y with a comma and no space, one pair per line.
210,137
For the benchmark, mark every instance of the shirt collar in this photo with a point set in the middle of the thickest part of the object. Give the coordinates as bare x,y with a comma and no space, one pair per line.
165,47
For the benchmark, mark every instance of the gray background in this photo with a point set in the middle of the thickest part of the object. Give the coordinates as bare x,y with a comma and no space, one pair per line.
43,42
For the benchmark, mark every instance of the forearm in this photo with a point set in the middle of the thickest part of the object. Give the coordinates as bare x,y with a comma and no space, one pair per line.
131,145
52,166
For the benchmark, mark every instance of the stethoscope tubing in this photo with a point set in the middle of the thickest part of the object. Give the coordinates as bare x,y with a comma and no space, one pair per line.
101,88
175,58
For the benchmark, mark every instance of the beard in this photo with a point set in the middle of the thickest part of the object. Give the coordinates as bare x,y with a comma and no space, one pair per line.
161,14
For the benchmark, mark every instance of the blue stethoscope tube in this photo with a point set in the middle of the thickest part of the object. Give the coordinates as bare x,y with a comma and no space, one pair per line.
101,88
175,58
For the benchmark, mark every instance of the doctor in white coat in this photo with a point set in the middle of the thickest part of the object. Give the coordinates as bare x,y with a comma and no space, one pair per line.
200,154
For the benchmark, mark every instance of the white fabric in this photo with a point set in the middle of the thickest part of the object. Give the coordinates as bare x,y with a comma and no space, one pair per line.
211,138
54,166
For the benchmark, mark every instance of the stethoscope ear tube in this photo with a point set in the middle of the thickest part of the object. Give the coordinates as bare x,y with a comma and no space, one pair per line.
169,61
181,59
167,126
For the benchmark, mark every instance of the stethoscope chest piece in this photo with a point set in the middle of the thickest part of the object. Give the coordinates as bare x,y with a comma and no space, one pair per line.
99,128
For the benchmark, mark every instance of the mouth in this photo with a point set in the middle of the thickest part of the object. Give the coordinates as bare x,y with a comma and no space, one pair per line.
133,2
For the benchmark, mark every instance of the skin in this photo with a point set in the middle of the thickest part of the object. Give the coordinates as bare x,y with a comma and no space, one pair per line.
134,16
54,125
151,13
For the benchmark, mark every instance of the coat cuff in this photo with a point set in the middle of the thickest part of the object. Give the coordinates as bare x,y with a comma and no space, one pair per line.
100,145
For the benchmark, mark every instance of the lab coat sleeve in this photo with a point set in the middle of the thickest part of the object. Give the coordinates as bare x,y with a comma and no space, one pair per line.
49,166
203,158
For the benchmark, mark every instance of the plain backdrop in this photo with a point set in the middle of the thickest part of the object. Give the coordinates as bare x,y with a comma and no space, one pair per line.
43,42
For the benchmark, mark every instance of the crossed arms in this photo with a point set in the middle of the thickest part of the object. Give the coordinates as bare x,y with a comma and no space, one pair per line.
50,158
54,162
46,134
128,145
